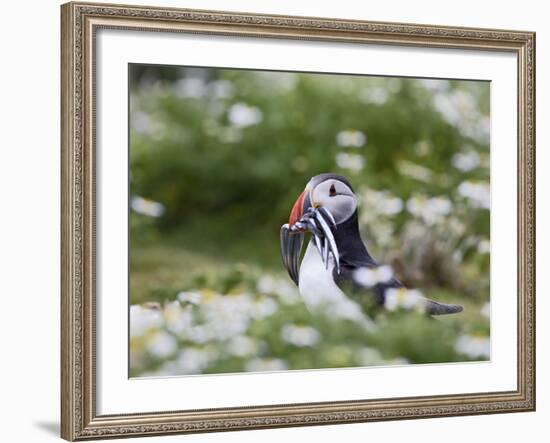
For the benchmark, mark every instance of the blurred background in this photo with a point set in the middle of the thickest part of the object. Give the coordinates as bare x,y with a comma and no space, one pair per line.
217,159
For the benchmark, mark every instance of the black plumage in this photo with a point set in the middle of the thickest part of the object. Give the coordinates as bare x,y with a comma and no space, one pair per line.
354,256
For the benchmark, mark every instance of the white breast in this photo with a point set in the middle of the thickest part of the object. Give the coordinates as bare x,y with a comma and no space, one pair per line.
318,288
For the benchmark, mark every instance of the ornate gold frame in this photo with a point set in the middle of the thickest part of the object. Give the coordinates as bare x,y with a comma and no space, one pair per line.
79,22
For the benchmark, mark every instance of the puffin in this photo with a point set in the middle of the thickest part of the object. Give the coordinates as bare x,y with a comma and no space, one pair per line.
336,253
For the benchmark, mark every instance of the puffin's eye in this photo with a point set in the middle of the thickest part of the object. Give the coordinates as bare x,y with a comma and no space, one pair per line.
332,191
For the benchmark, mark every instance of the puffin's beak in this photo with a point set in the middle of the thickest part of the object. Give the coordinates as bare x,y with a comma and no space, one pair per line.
297,210
292,238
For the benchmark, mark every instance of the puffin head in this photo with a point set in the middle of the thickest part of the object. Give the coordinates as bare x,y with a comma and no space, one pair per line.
329,199
330,191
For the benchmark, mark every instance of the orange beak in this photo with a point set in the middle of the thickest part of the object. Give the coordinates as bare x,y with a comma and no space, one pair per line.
297,209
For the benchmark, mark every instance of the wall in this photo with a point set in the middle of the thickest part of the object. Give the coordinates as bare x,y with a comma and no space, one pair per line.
29,217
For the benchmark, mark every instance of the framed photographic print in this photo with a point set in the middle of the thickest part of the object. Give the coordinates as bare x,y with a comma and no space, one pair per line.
283,221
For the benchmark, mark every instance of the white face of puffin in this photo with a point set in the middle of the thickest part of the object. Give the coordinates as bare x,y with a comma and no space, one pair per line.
335,196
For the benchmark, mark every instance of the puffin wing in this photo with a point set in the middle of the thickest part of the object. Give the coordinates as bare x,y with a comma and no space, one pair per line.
346,281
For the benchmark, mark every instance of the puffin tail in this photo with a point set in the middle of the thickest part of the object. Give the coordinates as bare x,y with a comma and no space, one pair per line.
436,308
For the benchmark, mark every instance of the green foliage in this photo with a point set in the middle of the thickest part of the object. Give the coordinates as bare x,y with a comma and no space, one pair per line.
265,326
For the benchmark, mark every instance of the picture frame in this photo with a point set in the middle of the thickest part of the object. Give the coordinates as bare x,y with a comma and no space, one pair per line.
80,23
